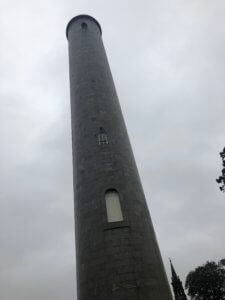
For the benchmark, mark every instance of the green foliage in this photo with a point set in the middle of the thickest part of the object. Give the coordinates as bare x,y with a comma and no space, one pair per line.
207,282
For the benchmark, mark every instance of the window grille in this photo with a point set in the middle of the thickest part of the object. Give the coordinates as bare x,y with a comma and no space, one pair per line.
102,139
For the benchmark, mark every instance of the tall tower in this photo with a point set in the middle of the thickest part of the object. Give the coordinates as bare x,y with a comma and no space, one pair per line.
178,289
117,252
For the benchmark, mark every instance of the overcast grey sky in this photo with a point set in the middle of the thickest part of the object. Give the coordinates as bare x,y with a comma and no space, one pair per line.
167,60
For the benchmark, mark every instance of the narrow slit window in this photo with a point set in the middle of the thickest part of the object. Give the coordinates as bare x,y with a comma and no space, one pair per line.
113,206
84,26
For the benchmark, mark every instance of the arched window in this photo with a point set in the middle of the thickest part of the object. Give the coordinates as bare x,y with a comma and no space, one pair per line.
84,26
113,206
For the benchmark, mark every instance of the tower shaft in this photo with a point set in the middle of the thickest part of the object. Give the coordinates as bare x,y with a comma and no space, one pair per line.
117,253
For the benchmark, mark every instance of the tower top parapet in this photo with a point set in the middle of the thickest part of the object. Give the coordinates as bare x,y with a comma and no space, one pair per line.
82,17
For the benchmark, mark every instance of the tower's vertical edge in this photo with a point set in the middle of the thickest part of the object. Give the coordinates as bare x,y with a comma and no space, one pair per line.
117,253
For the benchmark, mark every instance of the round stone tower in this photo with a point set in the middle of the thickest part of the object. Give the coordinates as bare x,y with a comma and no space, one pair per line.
117,252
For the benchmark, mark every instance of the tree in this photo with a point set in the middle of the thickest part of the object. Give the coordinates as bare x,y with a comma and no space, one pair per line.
207,282
221,178
222,262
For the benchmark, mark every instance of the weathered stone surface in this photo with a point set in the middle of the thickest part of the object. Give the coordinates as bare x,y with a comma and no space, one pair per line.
120,260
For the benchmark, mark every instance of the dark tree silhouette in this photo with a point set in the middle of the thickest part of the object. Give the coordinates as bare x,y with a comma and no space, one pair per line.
207,282
221,178
222,262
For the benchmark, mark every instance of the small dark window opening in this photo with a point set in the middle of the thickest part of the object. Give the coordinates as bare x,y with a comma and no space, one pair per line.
84,26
